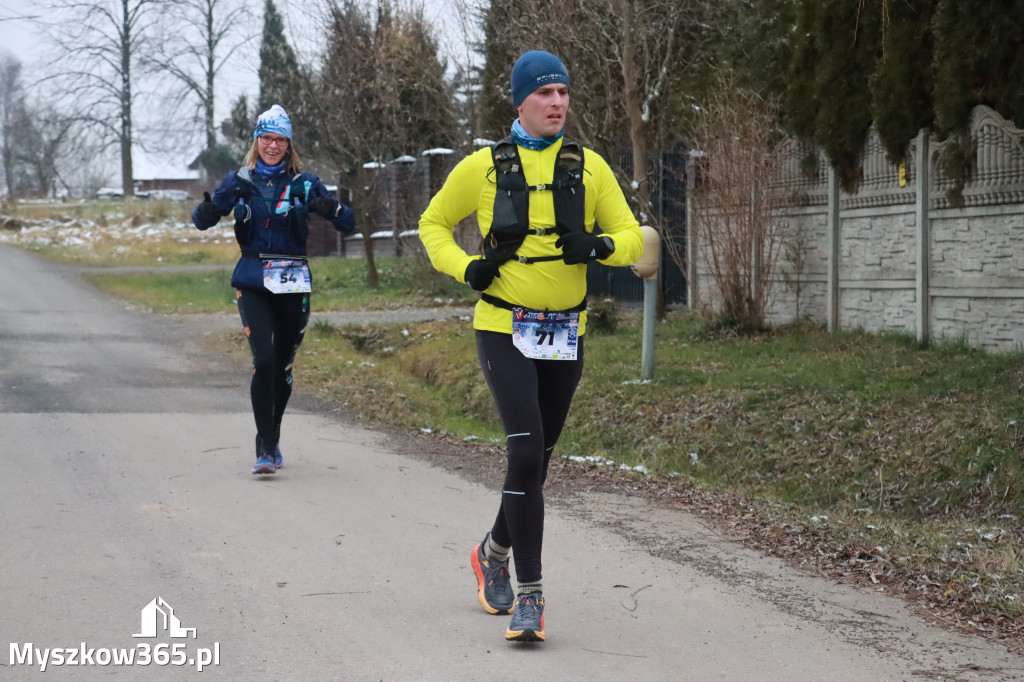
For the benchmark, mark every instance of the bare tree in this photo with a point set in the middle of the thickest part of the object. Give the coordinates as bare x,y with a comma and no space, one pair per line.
735,230
12,117
99,43
630,62
655,43
381,94
46,137
196,43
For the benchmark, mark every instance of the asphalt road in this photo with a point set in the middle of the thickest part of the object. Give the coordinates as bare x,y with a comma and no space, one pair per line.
126,451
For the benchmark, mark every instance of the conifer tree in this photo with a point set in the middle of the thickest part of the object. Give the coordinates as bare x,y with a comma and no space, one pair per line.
238,128
799,101
279,68
901,85
978,48
752,41
382,90
12,112
283,82
847,48
414,74
902,66
501,47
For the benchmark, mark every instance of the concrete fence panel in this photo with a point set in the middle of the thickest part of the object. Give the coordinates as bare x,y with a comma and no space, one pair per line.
895,255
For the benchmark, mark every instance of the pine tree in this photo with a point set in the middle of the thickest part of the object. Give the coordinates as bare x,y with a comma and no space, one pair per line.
238,128
283,82
978,48
902,66
279,68
848,47
753,41
500,50
901,85
799,100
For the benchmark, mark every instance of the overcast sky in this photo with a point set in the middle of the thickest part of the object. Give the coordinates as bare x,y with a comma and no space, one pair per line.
20,35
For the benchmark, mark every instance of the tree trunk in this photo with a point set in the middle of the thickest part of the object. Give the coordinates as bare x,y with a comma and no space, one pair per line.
127,171
208,113
372,278
634,109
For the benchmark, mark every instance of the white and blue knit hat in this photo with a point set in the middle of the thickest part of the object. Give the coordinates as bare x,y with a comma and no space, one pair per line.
273,120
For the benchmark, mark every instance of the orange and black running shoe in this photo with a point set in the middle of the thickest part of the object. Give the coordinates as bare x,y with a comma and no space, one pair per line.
527,619
494,587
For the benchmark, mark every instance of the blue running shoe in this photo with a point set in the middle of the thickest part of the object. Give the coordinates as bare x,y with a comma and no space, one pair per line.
264,465
264,457
494,588
527,619
278,459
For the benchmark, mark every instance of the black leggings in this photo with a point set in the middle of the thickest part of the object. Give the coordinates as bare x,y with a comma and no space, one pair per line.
533,398
275,325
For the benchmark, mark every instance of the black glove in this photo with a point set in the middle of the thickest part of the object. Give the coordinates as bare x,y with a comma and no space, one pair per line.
480,273
325,206
208,210
580,247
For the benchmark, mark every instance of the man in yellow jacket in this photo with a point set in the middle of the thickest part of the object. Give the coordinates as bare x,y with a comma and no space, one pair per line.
538,198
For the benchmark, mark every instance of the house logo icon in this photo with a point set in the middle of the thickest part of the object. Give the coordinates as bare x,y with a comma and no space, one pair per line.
158,616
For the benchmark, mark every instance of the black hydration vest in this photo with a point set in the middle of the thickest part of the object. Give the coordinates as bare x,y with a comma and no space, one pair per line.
511,221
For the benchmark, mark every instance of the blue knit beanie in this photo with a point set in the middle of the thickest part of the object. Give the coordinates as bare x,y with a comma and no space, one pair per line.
273,120
533,70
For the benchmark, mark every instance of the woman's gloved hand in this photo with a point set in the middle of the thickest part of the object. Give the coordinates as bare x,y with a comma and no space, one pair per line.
208,210
324,206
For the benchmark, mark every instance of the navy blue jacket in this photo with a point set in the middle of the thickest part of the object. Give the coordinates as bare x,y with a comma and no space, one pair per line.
277,226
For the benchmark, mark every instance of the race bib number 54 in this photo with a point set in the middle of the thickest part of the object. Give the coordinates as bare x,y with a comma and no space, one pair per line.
544,334
286,276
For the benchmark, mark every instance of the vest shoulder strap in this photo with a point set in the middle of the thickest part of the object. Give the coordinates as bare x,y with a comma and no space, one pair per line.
508,166
243,185
569,165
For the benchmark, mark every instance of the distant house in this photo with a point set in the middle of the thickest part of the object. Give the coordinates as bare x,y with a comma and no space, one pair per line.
166,175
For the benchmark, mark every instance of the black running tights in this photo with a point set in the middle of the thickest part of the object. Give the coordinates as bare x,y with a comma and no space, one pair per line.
275,325
533,398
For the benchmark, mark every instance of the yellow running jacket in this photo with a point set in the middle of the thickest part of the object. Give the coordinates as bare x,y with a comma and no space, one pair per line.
548,285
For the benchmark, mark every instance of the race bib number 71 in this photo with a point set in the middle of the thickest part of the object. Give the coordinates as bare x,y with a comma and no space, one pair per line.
544,334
